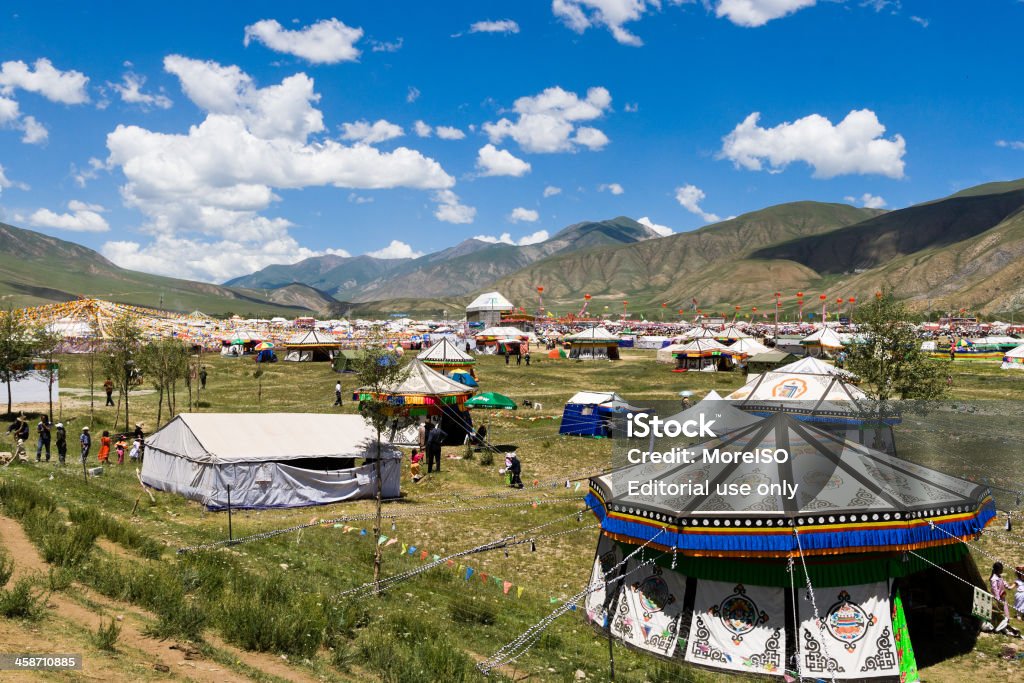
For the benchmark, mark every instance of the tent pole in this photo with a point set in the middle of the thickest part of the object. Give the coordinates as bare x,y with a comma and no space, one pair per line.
611,655
230,535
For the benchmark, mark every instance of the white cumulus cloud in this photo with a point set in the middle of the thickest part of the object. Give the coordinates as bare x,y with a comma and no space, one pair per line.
551,191
394,250
614,188
451,210
523,215
662,230
66,87
206,188
690,197
82,218
130,90
449,133
370,133
549,122
1011,144
34,133
328,41
579,15
6,182
752,13
500,26
867,200
422,129
500,162
855,145
506,238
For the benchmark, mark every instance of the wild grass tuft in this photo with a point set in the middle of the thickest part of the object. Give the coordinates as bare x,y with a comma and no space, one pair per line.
26,599
106,635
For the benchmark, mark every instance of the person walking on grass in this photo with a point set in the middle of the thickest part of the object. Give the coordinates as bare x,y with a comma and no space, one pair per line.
119,447
86,441
527,358
435,439
43,431
337,393
104,453
108,388
62,443
202,377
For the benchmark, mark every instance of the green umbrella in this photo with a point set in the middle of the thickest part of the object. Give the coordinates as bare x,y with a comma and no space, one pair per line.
492,400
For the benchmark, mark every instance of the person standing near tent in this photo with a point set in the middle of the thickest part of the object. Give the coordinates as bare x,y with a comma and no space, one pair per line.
108,387
104,453
202,377
527,358
519,356
507,355
62,443
86,441
515,469
337,393
140,437
434,441
43,441
424,428
119,448
999,587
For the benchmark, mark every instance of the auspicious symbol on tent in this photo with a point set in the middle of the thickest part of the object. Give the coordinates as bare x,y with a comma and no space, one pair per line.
821,480
791,388
884,658
752,479
739,614
815,660
847,621
654,594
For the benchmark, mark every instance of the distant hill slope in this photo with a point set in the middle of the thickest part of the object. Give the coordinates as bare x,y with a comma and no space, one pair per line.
450,272
701,264
38,269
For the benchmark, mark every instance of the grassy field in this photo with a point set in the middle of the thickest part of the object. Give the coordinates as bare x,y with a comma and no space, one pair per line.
102,547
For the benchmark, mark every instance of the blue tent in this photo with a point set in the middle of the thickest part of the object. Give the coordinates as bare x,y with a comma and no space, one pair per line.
591,413
464,378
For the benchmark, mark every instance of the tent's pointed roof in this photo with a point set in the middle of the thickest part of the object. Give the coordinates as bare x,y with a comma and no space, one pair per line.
445,352
748,346
491,301
702,346
1017,352
311,338
422,379
732,332
727,418
593,334
824,336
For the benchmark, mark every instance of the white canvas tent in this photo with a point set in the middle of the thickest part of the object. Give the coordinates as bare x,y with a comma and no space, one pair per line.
268,459
487,308
312,346
822,342
1014,359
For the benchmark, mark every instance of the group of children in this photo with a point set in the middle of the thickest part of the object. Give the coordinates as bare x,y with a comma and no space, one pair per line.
1000,587
120,446
513,468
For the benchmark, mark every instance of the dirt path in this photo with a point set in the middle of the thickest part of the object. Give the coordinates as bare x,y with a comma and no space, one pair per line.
181,660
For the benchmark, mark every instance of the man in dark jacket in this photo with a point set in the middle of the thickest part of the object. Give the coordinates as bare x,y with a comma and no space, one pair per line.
62,443
43,430
434,441
108,389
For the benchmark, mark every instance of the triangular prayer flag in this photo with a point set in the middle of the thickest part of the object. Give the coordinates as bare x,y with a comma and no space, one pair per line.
552,600
436,557
505,586
519,592
577,487
483,577
450,563
469,573
412,550
362,532
423,555
391,541
381,539
405,549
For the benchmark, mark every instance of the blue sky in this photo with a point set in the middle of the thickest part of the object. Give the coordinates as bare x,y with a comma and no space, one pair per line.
207,140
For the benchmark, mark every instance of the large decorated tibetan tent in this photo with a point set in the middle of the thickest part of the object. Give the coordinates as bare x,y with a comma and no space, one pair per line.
488,309
425,393
809,585
267,460
594,343
703,354
1014,359
446,357
311,346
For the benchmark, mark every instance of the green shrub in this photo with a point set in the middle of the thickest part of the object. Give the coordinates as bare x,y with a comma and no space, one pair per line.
472,611
487,458
184,619
24,600
116,531
403,649
6,570
105,637
60,578
63,546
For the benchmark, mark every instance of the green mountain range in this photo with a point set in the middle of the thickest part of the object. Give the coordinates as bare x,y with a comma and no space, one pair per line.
39,269
961,251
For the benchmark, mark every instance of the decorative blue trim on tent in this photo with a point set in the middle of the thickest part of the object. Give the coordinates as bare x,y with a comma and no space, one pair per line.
704,538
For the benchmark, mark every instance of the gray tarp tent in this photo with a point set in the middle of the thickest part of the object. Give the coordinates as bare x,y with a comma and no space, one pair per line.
268,459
